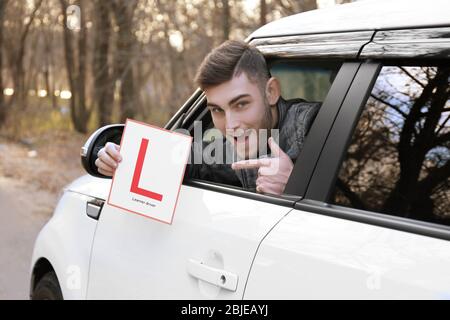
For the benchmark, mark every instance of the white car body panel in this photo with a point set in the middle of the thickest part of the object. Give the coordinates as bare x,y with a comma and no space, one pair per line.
66,241
312,256
91,186
134,257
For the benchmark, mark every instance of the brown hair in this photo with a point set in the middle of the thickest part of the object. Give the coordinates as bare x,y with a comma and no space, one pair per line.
230,59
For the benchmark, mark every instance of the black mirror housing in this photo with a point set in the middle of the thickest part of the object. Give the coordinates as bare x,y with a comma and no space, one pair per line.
97,140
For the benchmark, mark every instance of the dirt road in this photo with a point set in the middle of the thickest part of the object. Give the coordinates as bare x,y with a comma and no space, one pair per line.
30,180
21,219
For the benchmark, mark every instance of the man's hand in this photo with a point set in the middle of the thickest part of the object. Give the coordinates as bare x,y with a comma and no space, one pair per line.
273,173
108,159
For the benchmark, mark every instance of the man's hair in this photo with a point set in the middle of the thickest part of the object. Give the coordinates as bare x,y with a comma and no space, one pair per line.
230,59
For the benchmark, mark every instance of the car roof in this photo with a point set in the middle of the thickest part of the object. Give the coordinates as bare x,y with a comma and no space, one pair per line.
361,15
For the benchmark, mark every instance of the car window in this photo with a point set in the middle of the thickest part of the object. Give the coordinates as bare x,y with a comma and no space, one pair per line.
398,161
306,80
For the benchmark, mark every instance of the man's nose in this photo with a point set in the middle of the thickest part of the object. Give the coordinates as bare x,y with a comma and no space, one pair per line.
232,122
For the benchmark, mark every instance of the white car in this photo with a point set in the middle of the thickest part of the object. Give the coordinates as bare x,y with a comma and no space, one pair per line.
366,211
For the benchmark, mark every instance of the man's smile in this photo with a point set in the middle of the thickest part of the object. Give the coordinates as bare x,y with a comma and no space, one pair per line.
241,136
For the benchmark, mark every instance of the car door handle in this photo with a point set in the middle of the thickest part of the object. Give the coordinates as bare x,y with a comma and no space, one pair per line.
93,208
218,277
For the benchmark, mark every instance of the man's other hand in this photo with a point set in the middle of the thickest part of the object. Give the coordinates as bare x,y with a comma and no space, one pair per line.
273,173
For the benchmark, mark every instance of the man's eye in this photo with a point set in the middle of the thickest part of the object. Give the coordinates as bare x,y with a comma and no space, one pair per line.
242,104
216,110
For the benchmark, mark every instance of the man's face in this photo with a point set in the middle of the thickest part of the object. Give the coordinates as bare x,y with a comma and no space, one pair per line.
239,110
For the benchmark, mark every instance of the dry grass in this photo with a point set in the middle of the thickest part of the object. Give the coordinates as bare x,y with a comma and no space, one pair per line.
48,161
39,147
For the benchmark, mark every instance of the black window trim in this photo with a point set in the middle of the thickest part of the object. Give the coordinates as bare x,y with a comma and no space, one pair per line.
192,101
336,145
320,129
317,198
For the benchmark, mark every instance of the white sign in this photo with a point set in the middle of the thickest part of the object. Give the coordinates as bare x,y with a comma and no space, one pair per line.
148,179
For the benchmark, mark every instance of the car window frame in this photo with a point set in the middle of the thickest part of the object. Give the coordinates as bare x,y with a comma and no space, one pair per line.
301,173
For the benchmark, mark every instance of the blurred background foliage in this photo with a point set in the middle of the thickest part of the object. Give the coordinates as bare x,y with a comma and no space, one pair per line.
76,65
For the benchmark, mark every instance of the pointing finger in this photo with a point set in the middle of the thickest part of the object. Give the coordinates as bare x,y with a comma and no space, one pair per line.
251,164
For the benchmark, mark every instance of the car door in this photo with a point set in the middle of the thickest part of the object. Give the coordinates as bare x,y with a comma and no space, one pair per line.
374,221
205,253
208,250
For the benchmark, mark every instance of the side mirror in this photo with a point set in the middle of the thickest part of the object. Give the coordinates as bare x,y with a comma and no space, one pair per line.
97,140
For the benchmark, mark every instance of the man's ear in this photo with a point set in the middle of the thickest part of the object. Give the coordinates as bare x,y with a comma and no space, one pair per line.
273,90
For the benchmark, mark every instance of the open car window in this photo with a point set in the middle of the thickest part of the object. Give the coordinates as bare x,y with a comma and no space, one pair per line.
306,82
309,80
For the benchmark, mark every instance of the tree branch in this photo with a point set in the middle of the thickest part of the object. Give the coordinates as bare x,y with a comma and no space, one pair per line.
412,77
389,105
354,199
434,178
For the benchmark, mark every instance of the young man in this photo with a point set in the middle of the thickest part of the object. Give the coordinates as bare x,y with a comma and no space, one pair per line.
243,100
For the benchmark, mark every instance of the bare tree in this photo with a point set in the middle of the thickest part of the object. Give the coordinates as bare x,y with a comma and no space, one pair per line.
123,61
226,19
49,64
124,53
103,78
262,12
398,162
19,54
417,138
289,7
76,76
3,4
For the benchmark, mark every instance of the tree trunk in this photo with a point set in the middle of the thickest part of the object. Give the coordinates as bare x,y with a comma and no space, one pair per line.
309,5
2,99
48,67
413,146
19,72
123,58
83,113
78,110
289,7
226,20
262,12
70,61
104,85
